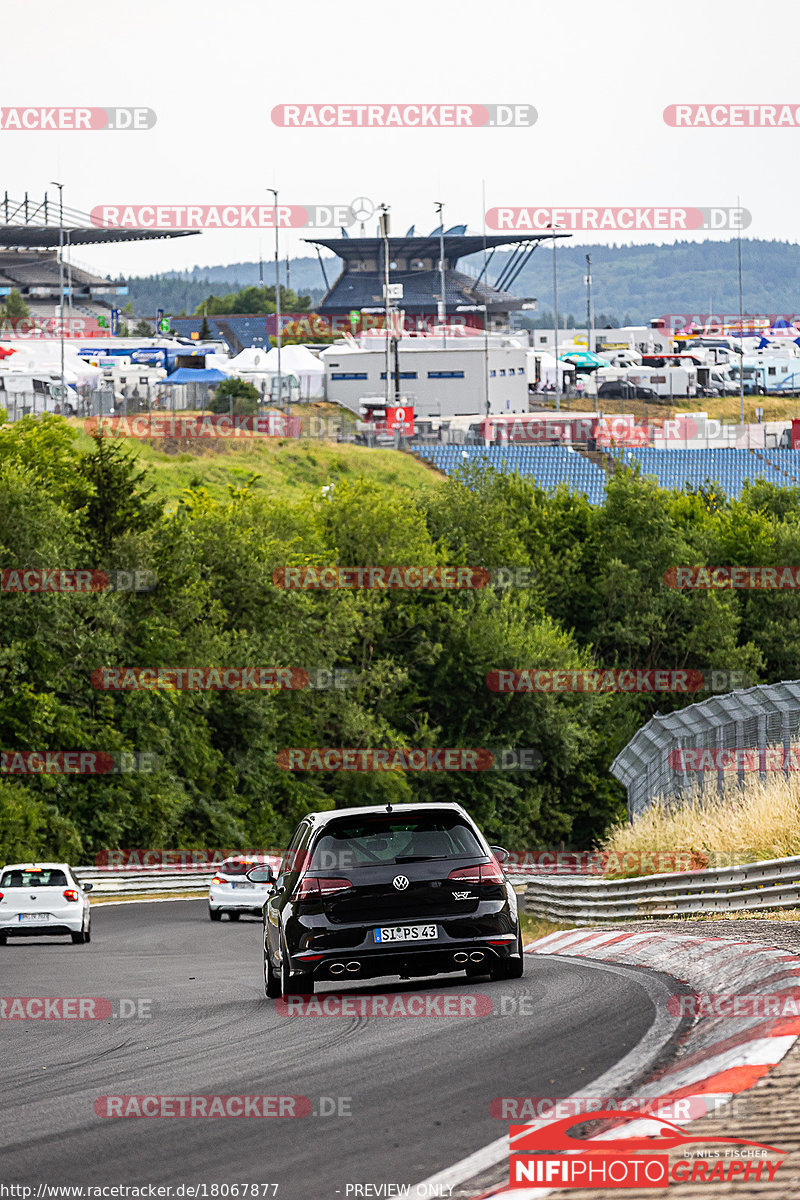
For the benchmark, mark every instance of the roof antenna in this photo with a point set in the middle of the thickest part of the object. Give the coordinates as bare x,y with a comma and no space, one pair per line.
389,806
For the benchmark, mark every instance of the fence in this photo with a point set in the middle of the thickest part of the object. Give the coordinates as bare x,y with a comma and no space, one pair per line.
769,884
757,717
108,881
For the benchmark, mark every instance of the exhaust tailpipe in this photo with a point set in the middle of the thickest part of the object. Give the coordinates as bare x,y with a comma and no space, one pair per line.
337,969
476,956
353,967
460,957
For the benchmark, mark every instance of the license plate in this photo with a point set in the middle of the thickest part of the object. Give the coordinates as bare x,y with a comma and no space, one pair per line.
407,933
34,916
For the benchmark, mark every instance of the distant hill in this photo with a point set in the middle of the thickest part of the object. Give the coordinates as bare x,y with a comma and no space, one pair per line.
630,284
177,292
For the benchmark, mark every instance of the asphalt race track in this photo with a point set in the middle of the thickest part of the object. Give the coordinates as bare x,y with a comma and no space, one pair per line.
418,1088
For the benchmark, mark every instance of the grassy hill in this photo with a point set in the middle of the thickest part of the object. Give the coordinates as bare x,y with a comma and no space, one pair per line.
285,467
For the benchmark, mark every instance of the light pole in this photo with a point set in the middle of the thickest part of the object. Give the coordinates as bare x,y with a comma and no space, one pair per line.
384,225
277,298
555,317
60,187
589,323
741,317
442,302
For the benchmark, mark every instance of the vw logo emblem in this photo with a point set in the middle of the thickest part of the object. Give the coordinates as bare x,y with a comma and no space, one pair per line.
362,208
400,882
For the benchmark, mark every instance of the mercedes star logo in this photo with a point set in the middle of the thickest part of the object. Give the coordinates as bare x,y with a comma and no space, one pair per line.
362,208
400,882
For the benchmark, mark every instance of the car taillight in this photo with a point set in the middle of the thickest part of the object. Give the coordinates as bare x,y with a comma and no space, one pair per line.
1,895
311,888
481,873
71,894
217,879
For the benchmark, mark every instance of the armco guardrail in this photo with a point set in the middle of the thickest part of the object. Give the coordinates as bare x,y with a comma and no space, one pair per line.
771,884
110,880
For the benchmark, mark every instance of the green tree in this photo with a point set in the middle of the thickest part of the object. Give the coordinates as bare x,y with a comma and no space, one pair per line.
15,308
253,300
245,397
205,330
117,501
142,328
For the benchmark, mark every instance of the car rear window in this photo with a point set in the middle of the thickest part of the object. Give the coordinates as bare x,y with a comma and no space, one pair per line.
47,877
376,841
235,866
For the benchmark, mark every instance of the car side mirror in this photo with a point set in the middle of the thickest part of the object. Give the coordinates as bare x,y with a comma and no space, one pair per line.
87,887
500,854
261,875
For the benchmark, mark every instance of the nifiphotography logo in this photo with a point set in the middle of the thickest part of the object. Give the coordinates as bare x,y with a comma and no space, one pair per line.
537,1155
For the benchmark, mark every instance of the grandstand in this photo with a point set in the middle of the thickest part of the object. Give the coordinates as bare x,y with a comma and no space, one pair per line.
728,467
32,235
548,466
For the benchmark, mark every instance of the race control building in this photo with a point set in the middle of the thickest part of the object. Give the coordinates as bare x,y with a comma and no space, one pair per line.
469,300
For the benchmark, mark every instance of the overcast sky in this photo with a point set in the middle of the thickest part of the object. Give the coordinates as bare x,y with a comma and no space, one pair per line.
599,75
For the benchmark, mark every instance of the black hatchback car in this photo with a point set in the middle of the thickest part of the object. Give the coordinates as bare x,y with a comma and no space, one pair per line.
408,891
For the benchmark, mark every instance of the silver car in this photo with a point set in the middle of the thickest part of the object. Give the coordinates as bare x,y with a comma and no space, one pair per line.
43,900
232,892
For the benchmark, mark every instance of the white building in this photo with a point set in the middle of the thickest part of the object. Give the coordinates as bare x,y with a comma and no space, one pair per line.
439,377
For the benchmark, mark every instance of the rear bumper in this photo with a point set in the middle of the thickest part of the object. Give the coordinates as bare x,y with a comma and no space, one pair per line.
45,929
415,959
246,906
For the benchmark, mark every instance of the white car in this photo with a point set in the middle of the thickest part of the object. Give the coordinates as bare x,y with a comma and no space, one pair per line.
232,892
43,900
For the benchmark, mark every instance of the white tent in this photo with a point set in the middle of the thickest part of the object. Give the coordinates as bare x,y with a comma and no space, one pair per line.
252,360
43,356
299,361
547,367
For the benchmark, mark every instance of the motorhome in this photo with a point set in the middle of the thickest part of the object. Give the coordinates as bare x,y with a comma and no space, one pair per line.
765,373
667,381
